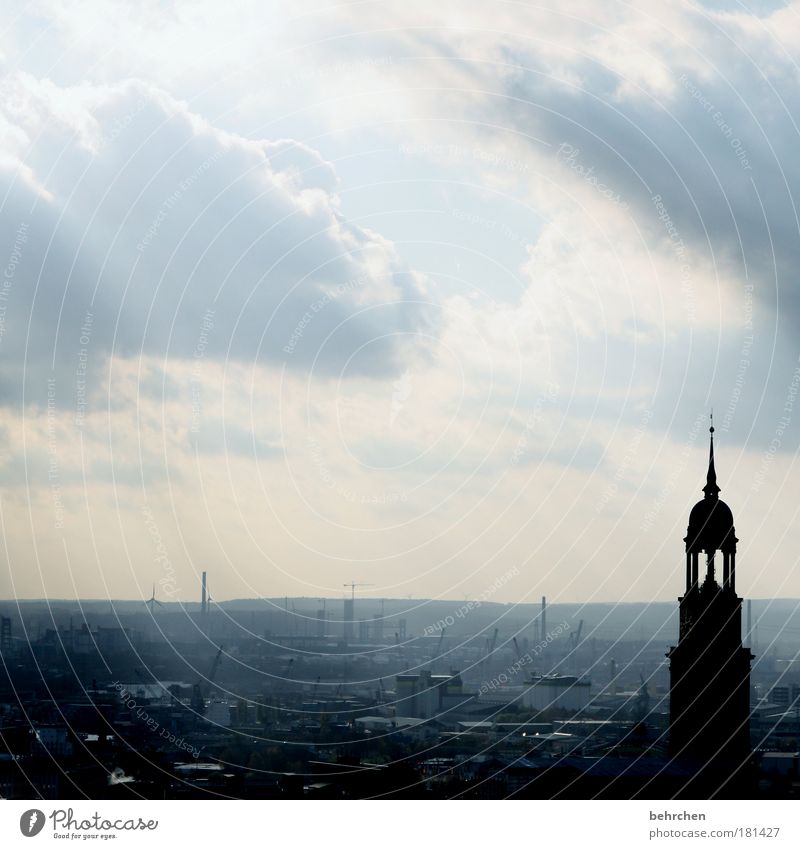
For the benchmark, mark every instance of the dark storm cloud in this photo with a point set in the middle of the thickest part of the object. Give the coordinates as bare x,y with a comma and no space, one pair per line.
719,159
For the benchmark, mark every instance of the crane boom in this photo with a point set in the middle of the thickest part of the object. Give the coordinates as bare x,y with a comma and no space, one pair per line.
441,640
215,666
353,586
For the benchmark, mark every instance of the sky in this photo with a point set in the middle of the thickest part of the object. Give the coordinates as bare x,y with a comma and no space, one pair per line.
434,297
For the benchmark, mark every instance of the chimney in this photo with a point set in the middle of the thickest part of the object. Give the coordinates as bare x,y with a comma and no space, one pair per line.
544,618
203,599
749,619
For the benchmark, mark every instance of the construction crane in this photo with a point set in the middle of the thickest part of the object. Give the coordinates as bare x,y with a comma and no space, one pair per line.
576,637
198,700
490,644
353,586
439,645
516,649
215,666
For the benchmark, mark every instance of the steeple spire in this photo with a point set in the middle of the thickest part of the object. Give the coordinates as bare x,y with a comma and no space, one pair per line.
711,489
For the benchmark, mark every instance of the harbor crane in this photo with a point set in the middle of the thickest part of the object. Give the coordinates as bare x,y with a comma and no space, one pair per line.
576,637
493,643
198,700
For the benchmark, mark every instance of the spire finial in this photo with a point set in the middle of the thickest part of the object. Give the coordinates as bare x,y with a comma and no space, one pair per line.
711,489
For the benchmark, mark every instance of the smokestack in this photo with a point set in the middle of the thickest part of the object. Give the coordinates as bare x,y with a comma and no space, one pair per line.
544,618
349,617
203,599
749,618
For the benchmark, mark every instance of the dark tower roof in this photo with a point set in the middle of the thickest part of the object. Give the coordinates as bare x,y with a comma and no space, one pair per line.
711,521
711,489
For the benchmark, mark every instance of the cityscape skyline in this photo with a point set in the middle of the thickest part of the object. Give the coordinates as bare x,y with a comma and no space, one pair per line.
360,367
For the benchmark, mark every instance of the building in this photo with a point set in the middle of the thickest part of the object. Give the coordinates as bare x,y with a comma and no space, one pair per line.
780,763
556,692
780,695
709,667
347,619
6,643
56,740
426,695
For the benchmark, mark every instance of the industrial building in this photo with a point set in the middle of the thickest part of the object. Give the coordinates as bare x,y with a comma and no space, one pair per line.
556,692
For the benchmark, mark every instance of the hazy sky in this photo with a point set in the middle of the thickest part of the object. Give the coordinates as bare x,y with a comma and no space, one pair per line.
417,294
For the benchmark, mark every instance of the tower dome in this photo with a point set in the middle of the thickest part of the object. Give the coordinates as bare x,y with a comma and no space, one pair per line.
711,527
711,520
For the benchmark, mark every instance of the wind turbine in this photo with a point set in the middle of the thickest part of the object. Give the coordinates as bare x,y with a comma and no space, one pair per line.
153,600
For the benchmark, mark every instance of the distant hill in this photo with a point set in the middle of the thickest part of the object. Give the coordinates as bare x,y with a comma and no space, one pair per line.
772,618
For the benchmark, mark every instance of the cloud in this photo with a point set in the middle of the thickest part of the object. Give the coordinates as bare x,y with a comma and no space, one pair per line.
602,197
673,234
688,103
148,230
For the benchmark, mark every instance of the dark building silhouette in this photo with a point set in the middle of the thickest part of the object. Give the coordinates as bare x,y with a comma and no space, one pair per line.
709,668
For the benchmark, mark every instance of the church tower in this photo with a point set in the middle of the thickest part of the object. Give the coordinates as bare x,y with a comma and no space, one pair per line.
709,668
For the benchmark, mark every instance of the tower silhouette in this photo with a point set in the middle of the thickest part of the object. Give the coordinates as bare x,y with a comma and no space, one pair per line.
709,668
